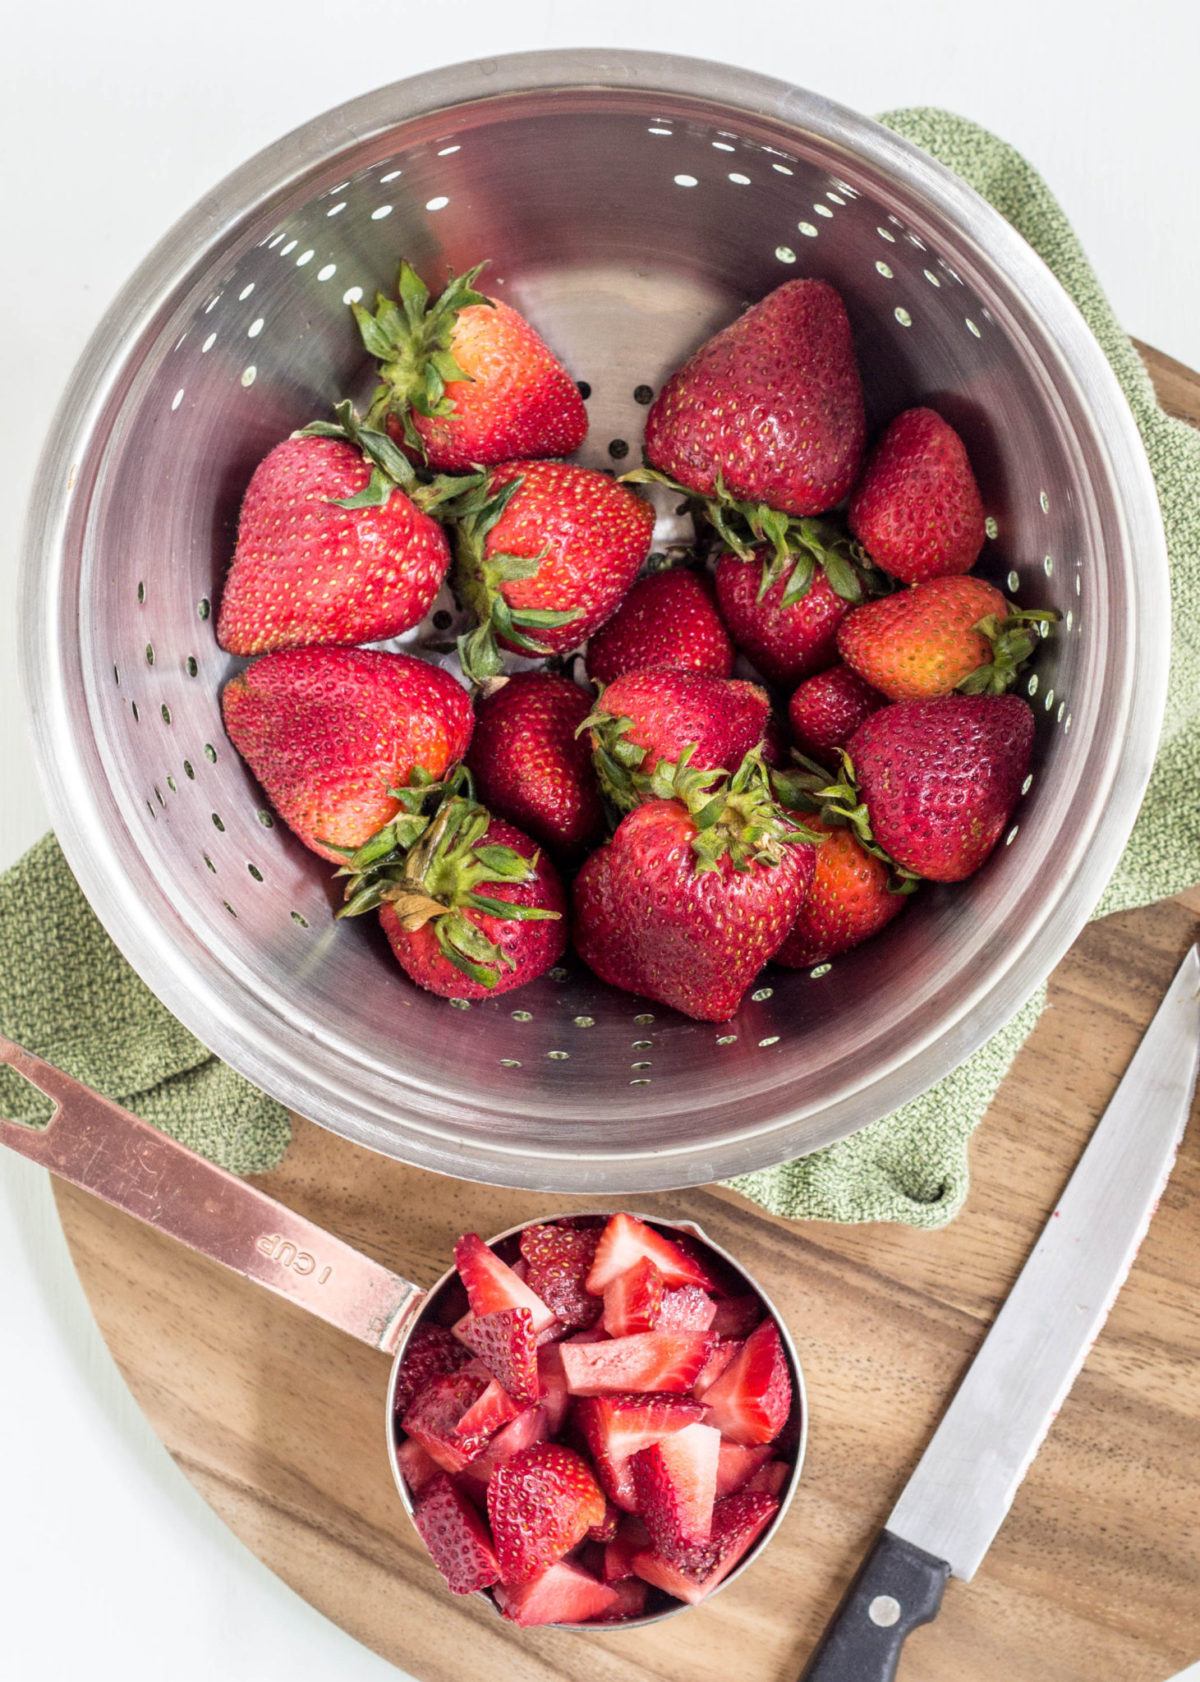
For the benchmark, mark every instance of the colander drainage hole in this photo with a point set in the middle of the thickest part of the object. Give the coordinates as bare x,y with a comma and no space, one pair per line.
136,714
640,1080
509,1063
158,795
643,394
229,908
210,753
641,1065
761,994
557,973
584,389
203,606
217,824
618,449
584,1021
166,713
771,1039
141,593
172,785
191,666
522,1016
726,1039
188,772
642,1045
264,817
558,1056
821,969
210,864
255,872
297,918
149,654
644,1020
442,620
116,675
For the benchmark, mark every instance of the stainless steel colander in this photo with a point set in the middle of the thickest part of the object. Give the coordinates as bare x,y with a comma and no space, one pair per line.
630,204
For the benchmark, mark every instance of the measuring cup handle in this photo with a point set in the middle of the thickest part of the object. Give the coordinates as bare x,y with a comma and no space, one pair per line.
97,1145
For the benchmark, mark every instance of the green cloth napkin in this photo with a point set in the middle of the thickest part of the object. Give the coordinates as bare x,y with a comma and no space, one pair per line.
66,993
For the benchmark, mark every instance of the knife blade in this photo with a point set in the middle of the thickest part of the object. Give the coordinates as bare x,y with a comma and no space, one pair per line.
965,1482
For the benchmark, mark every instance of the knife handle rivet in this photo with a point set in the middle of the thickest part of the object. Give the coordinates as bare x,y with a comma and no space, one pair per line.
884,1610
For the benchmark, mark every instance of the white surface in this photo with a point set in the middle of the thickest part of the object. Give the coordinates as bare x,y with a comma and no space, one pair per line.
113,121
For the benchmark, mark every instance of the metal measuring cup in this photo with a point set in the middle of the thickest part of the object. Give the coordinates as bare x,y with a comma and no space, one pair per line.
100,1147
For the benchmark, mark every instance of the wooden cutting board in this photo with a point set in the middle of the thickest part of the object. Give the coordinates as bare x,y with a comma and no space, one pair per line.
1095,1577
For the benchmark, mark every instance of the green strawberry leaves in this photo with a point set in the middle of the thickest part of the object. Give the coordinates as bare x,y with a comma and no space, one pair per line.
1013,641
810,788
390,469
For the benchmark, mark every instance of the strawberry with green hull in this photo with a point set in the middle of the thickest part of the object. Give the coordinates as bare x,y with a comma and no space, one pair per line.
949,633
787,627
853,896
544,553
826,710
530,764
917,509
648,723
694,894
669,618
464,380
336,543
330,732
469,904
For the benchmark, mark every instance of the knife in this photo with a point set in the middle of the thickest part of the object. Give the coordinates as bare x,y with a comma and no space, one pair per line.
964,1484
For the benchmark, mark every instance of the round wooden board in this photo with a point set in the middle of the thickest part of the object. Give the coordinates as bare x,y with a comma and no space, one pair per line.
278,1420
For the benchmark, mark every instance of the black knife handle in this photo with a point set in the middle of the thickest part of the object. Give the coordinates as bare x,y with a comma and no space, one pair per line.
898,1587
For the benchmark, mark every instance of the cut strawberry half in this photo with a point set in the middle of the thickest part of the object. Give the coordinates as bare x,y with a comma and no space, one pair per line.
688,1309
507,1345
633,1300
432,1350
541,1502
737,1523
676,1483
562,1594
492,1285
618,1426
631,1593
416,1466
750,1401
625,1240
531,1426
737,1316
456,1415
669,1361
554,1396
615,1478
737,1464
722,1355
456,1537
557,1262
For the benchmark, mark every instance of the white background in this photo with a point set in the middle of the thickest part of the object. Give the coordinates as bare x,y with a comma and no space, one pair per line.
114,119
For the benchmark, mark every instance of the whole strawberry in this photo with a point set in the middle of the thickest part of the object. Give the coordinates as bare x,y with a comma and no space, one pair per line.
770,410
331,548
853,896
329,732
787,635
531,765
469,905
940,778
917,509
930,639
465,381
685,914
545,551
826,710
668,619
647,724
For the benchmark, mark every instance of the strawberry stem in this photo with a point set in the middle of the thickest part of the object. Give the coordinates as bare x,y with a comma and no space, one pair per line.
1013,640
808,790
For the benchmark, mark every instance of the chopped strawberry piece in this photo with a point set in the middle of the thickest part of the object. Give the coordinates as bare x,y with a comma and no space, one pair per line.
456,1537
737,1464
751,1400
620,1425
492,1285
562,1594
737,1316
493,1408
618,1558
456,1414
712,1369
557,1262
676,1483
633,1300
531,1426
552,1385
541,1502
770,1478
432,1350
625,1240
505,1343
737,1522
631,1595
615,1477
594,1334
647,1361
607,1528
416,1466
688,1309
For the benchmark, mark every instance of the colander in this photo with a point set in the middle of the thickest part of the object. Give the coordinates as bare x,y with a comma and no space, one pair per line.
630,204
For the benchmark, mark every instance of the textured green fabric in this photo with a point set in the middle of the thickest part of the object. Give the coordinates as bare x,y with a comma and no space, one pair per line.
912,1165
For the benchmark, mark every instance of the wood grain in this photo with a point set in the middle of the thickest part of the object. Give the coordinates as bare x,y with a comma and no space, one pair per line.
278,1420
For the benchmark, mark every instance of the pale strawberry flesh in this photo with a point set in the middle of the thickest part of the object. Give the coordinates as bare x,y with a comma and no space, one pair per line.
676,1483
561,1594
712,1369
669,1361
492,1285
620,1425
416,1466
737,1463
631,1593
633,1300
737,1523
625,1240
456,1537
751,1400
688,1309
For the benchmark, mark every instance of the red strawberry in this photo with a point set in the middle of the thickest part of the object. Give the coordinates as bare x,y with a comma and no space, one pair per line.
631,1538
625,1241
631,1593
456,1537
432,1350
645,723
917,509
686,915
940,778
506,1344
328,731
646,1361
531,765
852,897
492,1286
737,1522
606,1530
308,569
668,619
618,1425
786,634
750,1401
545,552
676,1483
826,710
529,1427
454,1416
770,1478
736,1464
689,1309
465,379
737,1316
928,640
416,1466
633,1300
770,410
470,907
722,1354
558,1260
540,1503
562,1594
552,1385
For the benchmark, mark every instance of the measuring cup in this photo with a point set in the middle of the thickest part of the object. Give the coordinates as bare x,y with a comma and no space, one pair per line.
97,1145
